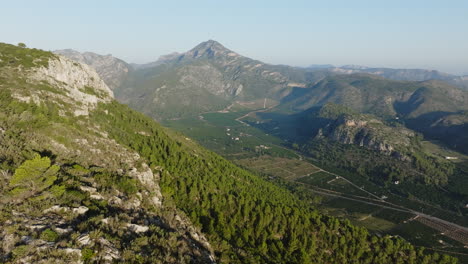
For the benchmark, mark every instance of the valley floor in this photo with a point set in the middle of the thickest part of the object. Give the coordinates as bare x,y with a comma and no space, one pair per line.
366,204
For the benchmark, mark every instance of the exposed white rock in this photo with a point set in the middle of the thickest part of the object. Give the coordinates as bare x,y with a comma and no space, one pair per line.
81,210
75,78
156,201
88,189
133,203
111,69
8,242
74,251
150,180
137,228
84,240
115,201
63,230
302,85
56,208
109,251
96,196
36,227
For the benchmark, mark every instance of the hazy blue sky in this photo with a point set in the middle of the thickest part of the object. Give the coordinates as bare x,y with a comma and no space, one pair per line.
411,33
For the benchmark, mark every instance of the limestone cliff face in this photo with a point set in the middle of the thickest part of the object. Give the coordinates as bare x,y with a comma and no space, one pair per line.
112,70
82,86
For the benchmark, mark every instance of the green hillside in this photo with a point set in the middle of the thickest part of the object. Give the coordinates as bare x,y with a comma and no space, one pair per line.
86,178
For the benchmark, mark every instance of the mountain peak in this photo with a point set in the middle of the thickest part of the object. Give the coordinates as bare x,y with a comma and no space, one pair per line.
210,44
209,48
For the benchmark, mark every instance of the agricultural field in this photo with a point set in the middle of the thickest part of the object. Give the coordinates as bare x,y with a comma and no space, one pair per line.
286,168
328,181
379,220
222,133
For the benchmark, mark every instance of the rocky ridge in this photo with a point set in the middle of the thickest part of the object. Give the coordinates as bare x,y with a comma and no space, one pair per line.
112,70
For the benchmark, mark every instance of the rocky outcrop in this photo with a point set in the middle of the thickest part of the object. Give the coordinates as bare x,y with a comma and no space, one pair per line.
112,70
72,83
369,133
75,75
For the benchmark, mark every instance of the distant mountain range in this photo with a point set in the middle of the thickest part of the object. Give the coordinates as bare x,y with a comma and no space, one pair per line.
211,77
398,74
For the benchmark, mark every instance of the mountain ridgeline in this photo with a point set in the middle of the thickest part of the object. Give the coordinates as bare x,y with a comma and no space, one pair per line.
404,74
210,78
86,179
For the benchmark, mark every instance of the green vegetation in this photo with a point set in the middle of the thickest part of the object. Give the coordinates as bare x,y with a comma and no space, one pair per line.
33,176
93,191
49,235
383,152
210,134
221,197
19,56
378,167
87,254
92,91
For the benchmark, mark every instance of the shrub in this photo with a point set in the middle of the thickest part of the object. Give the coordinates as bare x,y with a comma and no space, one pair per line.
49,235
87,254
34,176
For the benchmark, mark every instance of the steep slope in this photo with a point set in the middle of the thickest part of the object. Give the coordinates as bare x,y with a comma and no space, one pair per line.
69,192
80,182
112,70
209,77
